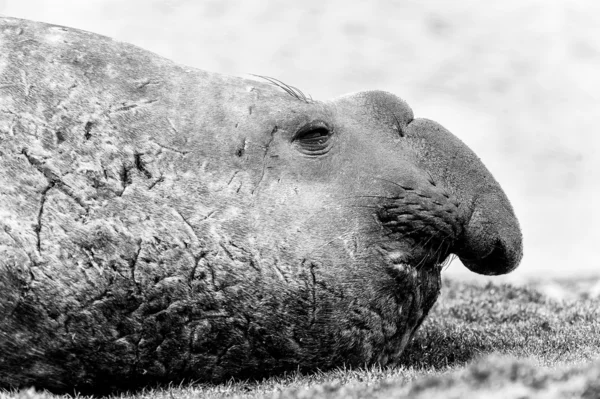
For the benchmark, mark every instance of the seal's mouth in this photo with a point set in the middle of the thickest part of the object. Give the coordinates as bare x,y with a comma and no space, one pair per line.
402,268
422,228
402,257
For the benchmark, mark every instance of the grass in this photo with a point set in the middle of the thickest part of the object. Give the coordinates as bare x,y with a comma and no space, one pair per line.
493,340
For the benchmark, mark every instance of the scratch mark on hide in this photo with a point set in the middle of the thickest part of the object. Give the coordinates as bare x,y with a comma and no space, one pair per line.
313,293
140,164
62,101
128,107
249,254
197,259
27,41
188,224
125,177
262,175
182,152
172,126
160,179
212,273
208,215
26,85
147,82
227,252
232,177
38,226
54,179
132,266
280,272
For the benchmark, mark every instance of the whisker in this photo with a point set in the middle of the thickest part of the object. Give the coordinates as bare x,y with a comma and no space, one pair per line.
420,264
372,196
426,242
406,188
446,264
281,85
361,206
289,89
438,252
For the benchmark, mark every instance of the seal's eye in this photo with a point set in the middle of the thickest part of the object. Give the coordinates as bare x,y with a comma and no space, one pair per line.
314,138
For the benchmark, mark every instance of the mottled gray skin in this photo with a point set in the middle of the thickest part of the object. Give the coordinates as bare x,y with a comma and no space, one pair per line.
160,223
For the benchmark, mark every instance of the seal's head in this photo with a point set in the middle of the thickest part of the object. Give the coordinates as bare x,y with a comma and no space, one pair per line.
162,223
358,180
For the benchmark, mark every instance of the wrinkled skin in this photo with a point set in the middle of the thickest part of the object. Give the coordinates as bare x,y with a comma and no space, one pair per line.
161,223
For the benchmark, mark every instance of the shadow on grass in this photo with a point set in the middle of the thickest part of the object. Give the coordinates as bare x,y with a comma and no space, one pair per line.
470,320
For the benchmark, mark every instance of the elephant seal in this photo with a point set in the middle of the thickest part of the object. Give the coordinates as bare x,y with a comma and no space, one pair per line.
161,223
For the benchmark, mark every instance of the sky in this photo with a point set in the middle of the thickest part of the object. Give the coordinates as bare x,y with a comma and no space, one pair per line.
518,81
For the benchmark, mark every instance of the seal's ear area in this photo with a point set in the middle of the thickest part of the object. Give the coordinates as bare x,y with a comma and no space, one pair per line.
491,242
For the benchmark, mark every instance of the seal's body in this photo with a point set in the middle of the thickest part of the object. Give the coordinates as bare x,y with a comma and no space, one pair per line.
161,223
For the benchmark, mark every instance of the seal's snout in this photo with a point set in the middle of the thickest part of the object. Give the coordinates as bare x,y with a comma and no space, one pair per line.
491,242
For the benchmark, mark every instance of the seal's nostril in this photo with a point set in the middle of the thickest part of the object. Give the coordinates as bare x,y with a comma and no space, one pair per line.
400,131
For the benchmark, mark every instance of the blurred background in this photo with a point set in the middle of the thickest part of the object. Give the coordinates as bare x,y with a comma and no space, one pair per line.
517,80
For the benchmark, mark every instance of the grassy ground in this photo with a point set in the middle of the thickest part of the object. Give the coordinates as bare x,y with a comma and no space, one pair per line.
493,340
